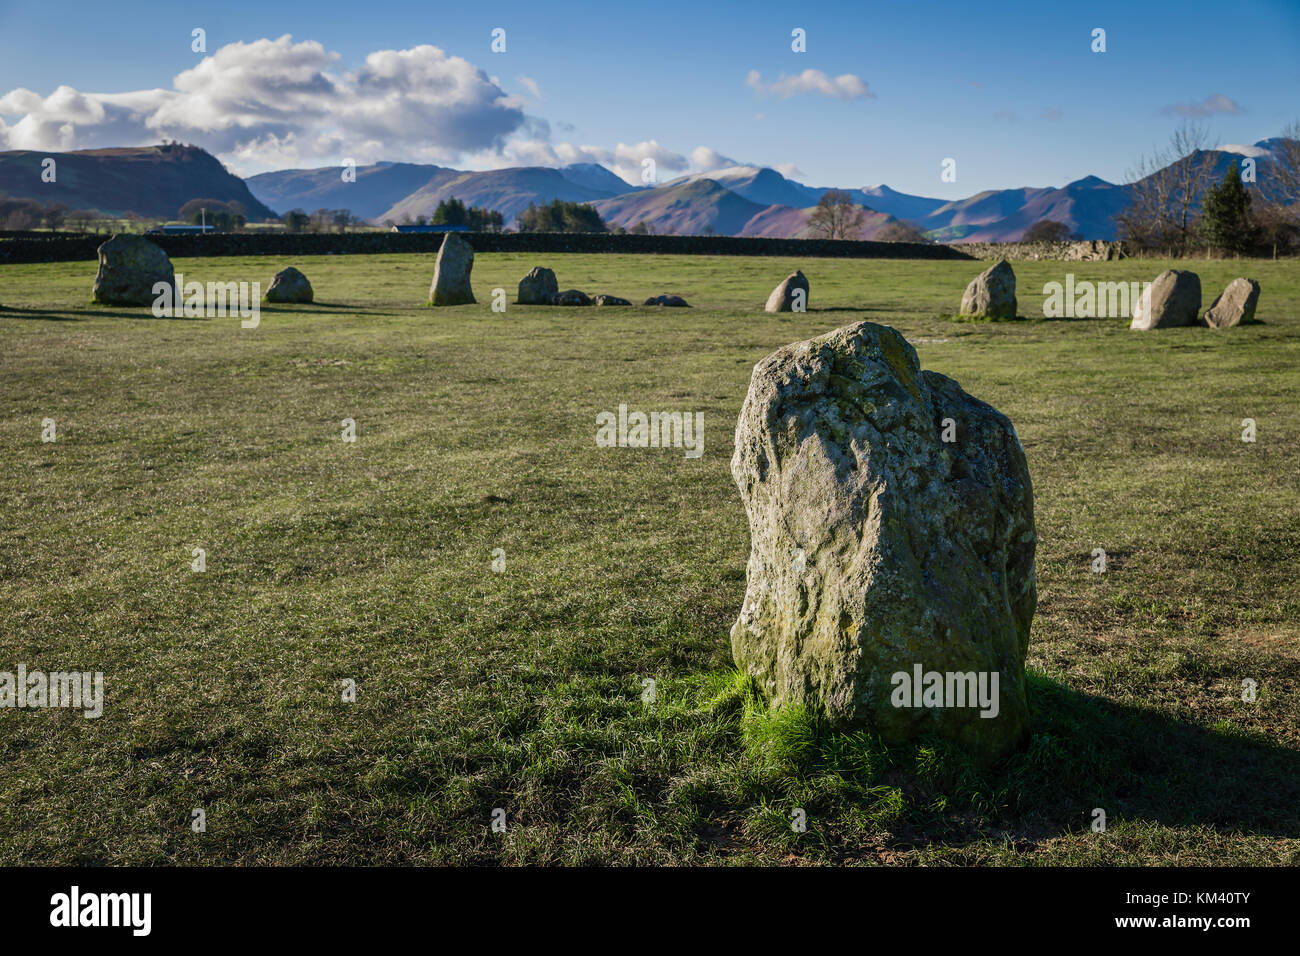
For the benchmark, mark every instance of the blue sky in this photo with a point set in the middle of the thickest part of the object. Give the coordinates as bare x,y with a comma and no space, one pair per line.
1012,92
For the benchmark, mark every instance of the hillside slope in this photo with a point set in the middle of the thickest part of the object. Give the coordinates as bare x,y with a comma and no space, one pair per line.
377,188
758,184
509,191
150,180
694,207
1087,207
783,222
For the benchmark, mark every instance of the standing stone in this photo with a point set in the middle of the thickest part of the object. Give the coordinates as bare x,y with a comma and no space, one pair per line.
782,298
992,293
877,547
129,267
1235,304
289,285
538,287
571,297
604,299
1173,299
451,273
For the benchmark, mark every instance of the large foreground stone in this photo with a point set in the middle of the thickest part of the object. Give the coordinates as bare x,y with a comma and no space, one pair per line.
992,293
451,273
1174,299
129,267
877,548
539,287
783,298
290,285
1235,304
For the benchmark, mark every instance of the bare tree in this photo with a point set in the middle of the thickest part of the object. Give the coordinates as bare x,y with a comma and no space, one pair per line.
1278,227
81,219
1046,230
1280,185
1165,189
1276,213
836,216
900,230
55,214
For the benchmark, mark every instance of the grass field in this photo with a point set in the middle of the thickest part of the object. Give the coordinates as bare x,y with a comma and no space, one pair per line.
522,690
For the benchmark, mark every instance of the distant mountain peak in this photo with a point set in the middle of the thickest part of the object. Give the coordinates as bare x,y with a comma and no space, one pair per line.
595,177
596,168
1253,152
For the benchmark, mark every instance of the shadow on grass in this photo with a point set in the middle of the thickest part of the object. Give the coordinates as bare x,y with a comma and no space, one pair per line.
1126,319
308,307
985,319
854,308
62,315
1084,752
1152,766
21,313
144,312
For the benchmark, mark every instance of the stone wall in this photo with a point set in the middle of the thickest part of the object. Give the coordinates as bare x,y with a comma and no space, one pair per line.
57,247
1085,250
62,247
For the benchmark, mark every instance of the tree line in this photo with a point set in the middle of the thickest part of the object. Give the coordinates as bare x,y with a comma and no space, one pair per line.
23,214
561,216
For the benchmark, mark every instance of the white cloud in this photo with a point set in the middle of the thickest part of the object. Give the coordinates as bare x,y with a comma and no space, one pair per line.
70,119
20,101
276,104
1254,152
704,159
528,83
269,103
846,86
628,160
541,152
624,160
1215,103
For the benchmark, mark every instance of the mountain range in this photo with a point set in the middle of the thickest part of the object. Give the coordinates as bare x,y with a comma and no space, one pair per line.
703,205
406,191
738,200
